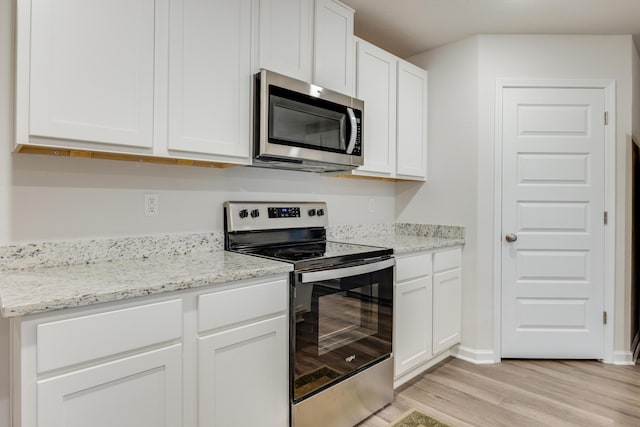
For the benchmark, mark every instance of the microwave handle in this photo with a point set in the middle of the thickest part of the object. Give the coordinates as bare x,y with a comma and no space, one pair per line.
354,130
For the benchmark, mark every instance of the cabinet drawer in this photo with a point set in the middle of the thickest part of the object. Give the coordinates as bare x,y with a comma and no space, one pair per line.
219,309
82,339
446,260
413,266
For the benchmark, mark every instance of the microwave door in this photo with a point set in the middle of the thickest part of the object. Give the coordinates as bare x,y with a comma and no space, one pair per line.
303,125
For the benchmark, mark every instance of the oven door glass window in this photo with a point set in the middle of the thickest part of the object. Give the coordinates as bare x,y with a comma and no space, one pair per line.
339,326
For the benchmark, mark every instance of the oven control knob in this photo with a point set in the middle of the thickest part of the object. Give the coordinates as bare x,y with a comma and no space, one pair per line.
320,212
255,213
312,212
244,213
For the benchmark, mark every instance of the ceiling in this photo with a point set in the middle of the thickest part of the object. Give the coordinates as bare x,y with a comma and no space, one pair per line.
408,27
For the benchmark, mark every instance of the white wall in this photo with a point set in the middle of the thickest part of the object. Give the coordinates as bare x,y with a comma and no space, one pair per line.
461,149
68,198
449,196
6,116
6,30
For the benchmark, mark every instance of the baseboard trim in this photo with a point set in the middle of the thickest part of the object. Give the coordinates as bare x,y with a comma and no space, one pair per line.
623,358
479,357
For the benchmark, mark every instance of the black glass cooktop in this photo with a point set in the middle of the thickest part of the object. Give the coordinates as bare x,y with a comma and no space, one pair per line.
317,253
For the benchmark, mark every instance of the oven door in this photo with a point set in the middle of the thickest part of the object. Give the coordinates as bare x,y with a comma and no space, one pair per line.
341,323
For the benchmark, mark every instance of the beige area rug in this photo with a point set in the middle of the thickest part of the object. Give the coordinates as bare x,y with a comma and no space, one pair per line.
415,418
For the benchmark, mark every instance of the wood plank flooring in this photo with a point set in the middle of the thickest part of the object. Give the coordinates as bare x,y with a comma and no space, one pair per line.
521,393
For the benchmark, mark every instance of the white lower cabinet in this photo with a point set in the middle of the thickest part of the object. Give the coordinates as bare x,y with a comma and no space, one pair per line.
216,357
244,366
136,391
447,297
427,310
412,324
243,356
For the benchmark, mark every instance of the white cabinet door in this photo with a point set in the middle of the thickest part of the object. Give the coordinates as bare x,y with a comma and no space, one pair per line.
86,74
411,140
376,86
286,31
137,391
412,324
243,376
210,78
333,46
447,309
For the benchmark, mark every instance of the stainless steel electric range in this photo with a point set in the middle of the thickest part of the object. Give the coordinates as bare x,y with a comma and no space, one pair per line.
341,309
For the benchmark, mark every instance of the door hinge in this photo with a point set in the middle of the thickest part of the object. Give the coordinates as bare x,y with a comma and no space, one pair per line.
606,217
604,317
606,118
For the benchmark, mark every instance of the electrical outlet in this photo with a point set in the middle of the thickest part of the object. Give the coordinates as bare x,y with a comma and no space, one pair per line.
151,204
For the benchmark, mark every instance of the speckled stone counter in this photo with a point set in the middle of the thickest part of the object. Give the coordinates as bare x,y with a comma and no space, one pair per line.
402,238
404,244
36,290
47,276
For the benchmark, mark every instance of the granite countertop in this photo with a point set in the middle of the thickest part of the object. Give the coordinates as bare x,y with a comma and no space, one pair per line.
40,277
404,244
403,238
36,290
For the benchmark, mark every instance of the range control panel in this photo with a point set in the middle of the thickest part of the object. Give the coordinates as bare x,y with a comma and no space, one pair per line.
247,216
280,212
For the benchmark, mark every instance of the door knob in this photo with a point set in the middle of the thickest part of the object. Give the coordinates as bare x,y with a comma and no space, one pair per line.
511,237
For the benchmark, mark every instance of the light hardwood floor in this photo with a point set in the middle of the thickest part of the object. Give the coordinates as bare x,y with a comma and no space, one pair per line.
521,393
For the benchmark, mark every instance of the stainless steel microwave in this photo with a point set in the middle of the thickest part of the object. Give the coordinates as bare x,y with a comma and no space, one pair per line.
305,127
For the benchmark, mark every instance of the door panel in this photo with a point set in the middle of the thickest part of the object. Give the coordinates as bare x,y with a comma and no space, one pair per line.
242,376
144,390
89,81
553,201
553,168
210,77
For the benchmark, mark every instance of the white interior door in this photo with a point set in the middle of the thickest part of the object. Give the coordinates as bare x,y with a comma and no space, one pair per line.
553,203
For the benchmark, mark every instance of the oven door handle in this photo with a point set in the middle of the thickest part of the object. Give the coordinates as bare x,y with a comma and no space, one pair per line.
336,273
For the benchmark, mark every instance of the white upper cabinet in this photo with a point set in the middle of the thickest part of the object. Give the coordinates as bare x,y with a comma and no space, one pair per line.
85,72
376,86
285,37
411,152
307,40
151,77
333,64
395,114
210,77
